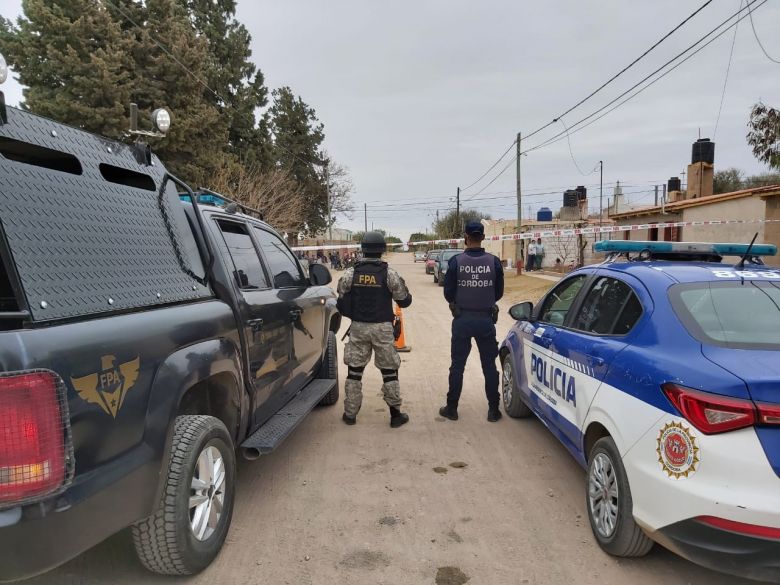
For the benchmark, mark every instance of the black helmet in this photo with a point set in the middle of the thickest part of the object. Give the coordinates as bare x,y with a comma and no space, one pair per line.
373,244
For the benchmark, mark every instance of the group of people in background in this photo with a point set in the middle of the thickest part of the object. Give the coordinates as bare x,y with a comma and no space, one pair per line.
336,260
535,255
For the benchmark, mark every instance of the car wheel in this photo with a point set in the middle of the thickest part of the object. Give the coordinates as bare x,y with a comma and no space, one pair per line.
609,503
435,278
188,529
329,370
441,280
513,403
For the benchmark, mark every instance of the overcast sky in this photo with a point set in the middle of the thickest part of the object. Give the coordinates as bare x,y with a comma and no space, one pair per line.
418,97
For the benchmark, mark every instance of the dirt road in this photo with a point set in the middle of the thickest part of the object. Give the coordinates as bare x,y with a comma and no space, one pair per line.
370,504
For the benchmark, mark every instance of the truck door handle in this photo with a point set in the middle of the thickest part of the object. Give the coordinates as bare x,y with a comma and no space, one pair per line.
255,324
295,314
598,361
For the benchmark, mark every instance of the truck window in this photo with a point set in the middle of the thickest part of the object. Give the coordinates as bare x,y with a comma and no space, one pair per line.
285,269
249,273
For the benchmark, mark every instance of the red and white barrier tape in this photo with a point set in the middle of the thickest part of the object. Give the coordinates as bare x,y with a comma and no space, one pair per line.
557,233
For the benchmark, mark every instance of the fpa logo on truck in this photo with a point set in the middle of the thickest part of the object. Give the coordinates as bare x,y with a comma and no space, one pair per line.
554,378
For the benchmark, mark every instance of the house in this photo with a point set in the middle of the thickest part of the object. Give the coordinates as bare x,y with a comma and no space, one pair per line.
748,205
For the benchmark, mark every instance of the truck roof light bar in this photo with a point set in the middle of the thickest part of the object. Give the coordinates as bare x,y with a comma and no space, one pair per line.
683,248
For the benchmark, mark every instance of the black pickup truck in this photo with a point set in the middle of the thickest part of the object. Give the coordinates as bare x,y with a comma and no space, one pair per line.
146,338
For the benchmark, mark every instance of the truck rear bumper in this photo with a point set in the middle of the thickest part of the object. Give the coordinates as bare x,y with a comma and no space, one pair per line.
33,541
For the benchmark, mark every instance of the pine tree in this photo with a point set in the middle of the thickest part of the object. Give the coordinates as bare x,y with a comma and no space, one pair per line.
235,78
298,136
74,62
171,65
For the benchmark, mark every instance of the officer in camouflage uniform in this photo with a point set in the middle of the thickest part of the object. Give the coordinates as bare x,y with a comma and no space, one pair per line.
366,295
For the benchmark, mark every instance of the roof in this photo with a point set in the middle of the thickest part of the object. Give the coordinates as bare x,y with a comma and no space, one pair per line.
677,206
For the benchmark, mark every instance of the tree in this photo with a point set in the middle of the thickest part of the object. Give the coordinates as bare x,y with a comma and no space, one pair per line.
272,191
449,226
298,136
421,237
728,180
393,240
763,180
764,135
340,188
198,134
235,78
74,62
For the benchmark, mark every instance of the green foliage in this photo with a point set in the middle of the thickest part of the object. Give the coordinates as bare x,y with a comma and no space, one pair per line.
764,135
393,240
728,180
298,136
450,226
83,62
421,237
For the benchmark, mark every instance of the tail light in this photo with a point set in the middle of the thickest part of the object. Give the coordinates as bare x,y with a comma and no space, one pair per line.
34,437
713,414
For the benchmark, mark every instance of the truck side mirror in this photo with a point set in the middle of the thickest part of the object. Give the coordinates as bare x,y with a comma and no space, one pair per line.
319,275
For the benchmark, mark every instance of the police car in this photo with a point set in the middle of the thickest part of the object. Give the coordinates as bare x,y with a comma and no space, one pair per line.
659,370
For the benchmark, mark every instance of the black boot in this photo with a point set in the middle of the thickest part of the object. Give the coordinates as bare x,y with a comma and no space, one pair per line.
397,418
493,413
450,411
350,420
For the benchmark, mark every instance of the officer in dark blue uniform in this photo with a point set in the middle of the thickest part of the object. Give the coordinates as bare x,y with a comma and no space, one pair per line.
474,282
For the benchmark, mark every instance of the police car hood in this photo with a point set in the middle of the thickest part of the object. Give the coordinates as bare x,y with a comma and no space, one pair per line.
759,369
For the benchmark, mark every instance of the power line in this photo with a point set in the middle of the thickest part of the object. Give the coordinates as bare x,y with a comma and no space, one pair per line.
494,165
758,40
164,49
619,73
573,128
726,79
571,152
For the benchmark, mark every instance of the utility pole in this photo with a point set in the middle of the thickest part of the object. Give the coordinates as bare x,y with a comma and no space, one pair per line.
656,195
519,243
601,195
457,209
365,218
327,194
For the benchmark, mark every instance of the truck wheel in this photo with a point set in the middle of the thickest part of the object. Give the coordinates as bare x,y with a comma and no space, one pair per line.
609,503
190,525
513,404
329,370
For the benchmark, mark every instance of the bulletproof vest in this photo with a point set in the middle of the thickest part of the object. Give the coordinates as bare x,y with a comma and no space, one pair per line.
372,301
476,278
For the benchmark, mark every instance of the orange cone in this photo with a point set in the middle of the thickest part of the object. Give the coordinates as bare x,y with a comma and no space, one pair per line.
400,343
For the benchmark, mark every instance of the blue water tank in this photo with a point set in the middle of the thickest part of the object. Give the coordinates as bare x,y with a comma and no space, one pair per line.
544,214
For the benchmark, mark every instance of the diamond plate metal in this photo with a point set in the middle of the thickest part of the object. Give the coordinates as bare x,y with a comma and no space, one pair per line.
269,436
82,245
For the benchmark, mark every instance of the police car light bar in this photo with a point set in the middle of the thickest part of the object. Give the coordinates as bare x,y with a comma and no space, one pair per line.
626,246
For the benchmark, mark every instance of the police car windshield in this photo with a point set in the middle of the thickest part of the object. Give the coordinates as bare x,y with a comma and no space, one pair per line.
736,314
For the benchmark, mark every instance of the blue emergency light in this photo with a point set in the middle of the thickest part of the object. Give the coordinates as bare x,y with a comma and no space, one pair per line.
205,198
693,248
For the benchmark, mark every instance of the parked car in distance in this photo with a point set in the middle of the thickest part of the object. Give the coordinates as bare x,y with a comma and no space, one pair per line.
440,268
419,257
431,261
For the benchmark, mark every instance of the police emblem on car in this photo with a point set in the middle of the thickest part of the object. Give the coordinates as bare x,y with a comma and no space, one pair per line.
109,386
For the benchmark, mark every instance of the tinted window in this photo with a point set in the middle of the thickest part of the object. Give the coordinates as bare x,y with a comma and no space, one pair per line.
283,265
447,255
249,272
557,304
610,307
733,314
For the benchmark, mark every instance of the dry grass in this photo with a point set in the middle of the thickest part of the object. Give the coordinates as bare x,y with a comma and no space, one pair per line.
525,288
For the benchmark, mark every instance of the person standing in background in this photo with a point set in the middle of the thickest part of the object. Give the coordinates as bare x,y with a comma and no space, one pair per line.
531,263
539,253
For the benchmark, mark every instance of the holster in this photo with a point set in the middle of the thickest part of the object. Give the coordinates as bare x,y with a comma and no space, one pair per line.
396,327
494,314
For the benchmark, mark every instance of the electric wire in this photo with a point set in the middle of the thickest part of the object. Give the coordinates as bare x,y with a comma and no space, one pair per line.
726,79
571,152
619,73
758,40
576,127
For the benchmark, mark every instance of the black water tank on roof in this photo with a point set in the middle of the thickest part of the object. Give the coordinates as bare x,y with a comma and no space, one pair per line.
703,151
582,193
674,184
570,198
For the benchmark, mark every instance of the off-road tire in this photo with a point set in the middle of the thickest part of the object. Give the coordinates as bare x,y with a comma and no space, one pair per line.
628,539
164,542
329,370
514,406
